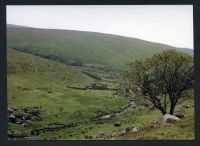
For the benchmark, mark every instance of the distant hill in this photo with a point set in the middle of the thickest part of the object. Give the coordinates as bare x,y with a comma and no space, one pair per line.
17,26
81,47
187,50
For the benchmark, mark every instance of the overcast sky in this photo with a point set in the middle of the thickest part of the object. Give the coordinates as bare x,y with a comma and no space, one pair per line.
171,25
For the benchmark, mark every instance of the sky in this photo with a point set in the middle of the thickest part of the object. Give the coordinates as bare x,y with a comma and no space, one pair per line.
167,24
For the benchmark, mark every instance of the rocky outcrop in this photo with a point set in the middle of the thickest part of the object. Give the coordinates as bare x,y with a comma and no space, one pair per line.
23,116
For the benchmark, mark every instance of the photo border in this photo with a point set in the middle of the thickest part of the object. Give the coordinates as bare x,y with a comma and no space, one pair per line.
3,75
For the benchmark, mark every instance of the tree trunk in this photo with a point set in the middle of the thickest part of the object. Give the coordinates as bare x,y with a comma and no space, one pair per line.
163,112
165,103
172,107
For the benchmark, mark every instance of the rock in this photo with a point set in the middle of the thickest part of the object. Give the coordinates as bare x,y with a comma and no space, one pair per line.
46,126
18,121
125,110
108,135
180,116
154,122
100,134
25,125
12,118
106,117
88,137
132,104
117,124
23,118
34,133
167,118
123,133
187,106
128,129
10,110
135,129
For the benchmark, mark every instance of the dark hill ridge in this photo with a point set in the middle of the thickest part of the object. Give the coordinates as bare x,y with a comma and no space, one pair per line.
81,47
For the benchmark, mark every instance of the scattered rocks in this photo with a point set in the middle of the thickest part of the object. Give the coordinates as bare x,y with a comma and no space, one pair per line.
127,130
103,116
51,128
23,116
117,124
167,118
13,134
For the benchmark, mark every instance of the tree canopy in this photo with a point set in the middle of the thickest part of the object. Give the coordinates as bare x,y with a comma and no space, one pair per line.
162,78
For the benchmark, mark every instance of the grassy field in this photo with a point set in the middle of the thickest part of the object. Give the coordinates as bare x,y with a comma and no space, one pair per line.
37,82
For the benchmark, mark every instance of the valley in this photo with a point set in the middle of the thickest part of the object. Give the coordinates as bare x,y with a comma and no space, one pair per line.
63,85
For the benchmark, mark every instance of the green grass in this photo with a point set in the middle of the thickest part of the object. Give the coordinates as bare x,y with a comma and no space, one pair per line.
29,88
180,130
30,78
85,47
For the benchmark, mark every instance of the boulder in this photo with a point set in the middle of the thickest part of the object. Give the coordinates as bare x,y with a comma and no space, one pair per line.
167,118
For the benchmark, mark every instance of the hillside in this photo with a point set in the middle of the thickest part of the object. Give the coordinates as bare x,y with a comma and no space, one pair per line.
50,87
63,85
58,93
79,47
